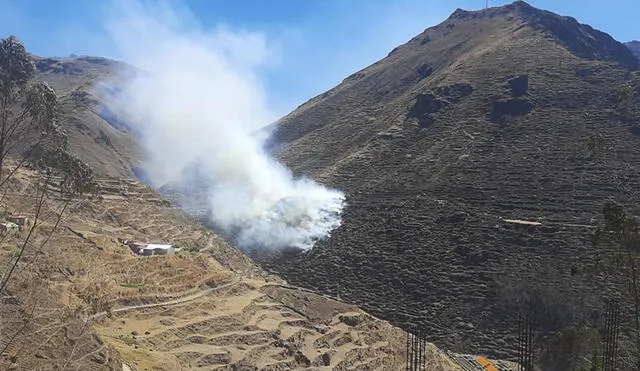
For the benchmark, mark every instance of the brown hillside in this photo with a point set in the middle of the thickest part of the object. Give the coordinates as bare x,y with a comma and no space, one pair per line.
96,135
485,117
92,304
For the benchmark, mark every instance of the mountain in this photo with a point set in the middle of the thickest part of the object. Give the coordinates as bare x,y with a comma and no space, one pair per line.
634,46
476,159
96,134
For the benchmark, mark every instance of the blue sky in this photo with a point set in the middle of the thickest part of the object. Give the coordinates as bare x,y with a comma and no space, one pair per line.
319,42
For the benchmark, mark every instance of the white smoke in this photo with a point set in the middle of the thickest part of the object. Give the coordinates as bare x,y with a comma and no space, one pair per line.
200,100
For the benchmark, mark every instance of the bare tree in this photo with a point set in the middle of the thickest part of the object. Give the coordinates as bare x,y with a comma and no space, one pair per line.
28,109
29,132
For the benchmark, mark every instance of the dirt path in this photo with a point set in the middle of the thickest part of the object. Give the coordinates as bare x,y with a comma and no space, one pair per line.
176,301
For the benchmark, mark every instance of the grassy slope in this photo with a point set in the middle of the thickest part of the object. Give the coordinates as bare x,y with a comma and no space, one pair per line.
84,265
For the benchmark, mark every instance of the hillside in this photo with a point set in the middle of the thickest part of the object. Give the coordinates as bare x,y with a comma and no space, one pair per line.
81,299
487,117
96,135
634,46
475,158
93,304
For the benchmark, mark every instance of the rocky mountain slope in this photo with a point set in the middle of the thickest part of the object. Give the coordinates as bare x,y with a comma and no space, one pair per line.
442,147
634,46
96,135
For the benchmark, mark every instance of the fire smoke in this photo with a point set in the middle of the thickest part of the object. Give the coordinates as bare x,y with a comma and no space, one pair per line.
200,101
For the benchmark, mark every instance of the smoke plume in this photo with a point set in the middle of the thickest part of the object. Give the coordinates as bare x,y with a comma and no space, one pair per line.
200,102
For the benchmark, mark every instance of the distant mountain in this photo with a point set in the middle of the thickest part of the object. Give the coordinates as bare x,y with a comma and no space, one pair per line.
634,46
443,146
97,135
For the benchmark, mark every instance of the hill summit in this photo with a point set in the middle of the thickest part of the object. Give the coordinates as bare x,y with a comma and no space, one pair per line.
473,183
580,39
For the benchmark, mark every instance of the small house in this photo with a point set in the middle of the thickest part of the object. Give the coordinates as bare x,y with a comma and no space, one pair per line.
149,249
157,249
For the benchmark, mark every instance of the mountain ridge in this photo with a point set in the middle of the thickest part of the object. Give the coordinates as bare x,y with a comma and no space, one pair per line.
617,51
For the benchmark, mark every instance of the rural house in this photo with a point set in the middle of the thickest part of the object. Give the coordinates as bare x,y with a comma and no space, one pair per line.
148,249
157,249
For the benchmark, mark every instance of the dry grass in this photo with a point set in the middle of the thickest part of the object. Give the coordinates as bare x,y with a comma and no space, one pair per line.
82,268
252,325
170,312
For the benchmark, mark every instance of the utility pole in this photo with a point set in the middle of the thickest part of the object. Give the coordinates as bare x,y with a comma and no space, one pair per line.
486,4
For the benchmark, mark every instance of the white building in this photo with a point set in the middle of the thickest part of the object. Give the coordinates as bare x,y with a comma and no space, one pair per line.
156,249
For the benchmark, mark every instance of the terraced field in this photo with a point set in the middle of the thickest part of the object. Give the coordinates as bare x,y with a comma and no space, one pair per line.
253,326
81,268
